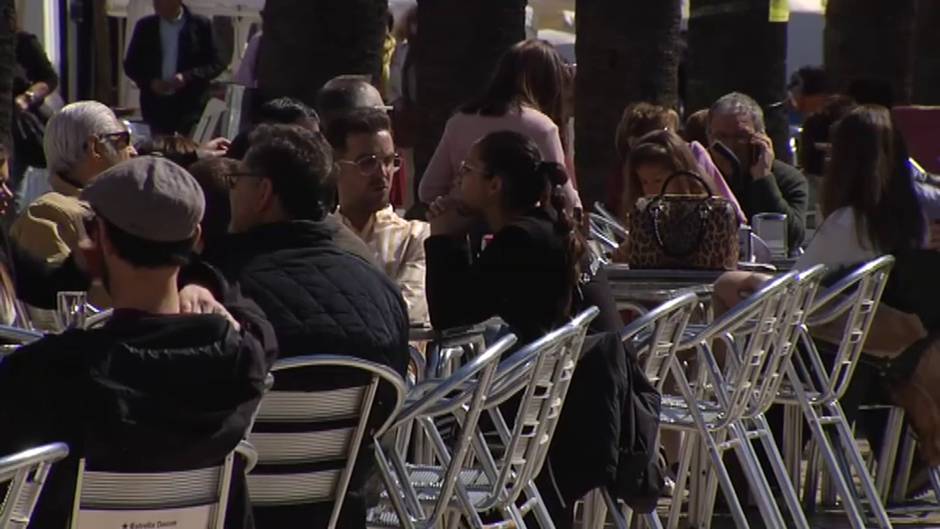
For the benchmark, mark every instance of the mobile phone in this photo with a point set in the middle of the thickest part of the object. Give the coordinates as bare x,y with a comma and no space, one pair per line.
757,150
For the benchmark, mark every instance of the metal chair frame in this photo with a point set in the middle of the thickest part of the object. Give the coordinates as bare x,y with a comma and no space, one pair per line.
816,391
25,473
657,335
541,373
289,433
716,407
464,390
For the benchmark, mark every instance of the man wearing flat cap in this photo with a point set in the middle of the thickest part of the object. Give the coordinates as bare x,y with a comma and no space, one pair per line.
152,389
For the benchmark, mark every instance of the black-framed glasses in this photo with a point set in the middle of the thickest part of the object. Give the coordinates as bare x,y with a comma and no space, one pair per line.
119,140
371,163
232,178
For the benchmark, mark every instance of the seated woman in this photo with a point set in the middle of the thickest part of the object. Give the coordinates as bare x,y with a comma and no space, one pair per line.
643,118
654,158
867,200
529,273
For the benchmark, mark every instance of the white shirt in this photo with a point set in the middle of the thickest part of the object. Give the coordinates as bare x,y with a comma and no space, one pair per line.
838,243
170,44
399,247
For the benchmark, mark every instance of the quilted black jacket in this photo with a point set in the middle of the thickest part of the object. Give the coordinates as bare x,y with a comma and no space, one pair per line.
319,298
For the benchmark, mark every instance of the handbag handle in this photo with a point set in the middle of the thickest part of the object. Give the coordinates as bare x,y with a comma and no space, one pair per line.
662,192
702,211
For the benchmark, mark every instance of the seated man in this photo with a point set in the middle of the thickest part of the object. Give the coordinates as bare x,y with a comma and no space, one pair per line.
153,389
319,298
365,153
764,183
82,139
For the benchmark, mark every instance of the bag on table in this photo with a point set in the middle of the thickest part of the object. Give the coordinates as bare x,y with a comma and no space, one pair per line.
683,231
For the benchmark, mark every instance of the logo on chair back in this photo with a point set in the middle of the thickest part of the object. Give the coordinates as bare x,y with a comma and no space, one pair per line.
185,518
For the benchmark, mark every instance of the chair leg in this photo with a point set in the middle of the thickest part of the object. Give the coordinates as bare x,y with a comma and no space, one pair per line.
792,441
724,481
763,494
854,458
620,521
686,453
811,483
780,473
538,509
889,451
902,477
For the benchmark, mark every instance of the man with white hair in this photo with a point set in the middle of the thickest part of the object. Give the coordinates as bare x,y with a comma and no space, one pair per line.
82,140
761,183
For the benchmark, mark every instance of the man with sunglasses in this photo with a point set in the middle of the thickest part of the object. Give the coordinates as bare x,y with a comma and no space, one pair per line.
82,140
366,162
152,389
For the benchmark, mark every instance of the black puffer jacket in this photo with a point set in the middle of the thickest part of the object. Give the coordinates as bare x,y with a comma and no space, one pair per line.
319,298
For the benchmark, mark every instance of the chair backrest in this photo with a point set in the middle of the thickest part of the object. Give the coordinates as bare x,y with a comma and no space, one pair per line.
551,363
792,317
308,440
184,499
659,333
464,392
855,297
602,231
748,332
24,474
209,122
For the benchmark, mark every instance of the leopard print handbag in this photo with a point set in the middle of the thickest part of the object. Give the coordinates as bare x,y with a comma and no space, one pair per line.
683,231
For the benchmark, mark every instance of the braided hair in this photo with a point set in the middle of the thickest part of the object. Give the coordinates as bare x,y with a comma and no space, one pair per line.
530,182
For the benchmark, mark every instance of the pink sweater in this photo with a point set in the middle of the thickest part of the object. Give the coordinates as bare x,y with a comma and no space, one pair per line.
463,130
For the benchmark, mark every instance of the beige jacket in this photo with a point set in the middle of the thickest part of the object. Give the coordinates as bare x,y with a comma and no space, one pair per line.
51,227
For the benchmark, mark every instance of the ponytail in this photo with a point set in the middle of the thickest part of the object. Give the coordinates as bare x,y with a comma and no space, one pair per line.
554,175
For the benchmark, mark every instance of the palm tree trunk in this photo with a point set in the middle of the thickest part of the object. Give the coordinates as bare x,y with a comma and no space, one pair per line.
7,60
873,40
734,47
628,51
926,90
456,49
308,42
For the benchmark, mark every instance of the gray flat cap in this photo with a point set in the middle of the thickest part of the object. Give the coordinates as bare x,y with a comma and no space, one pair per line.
148,197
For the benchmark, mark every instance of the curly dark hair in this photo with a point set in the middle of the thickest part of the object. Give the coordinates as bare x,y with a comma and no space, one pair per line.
299,164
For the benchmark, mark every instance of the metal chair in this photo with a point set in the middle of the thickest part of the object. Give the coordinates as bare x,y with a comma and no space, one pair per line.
24,475
184,499
723,396
656,336
816,389
539,376
308,441
462,392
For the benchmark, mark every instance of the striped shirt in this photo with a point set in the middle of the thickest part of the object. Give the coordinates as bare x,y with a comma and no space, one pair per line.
399,247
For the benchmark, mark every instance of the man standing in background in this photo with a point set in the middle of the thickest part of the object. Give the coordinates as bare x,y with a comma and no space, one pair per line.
172,58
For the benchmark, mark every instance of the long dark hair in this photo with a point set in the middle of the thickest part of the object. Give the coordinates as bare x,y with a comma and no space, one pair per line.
665,148
529,182
530,73
870,172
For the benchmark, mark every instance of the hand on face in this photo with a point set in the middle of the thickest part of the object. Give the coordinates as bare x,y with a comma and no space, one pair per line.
763,148
448,216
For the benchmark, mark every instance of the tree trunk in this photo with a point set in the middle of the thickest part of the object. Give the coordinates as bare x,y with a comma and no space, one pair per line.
308,42
871,39
926,90
7,60
628,51
734,47
456,49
